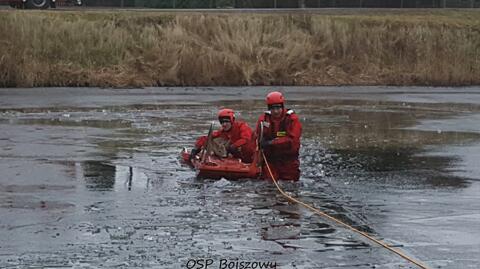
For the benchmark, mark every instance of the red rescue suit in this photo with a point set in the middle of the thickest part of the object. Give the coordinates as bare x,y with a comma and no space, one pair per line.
283,152
240,136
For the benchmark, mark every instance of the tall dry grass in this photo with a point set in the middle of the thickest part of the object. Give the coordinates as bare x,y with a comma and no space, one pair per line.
132,49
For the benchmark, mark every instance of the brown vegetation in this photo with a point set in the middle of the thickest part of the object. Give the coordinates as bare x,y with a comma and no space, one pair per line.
134,49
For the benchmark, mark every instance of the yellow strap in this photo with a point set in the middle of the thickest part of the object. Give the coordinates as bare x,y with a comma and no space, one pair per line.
381,243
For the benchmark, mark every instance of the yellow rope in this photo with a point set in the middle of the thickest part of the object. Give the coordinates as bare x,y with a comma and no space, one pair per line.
340,222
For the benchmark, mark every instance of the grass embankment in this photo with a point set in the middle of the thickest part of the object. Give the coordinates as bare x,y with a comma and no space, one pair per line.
122,49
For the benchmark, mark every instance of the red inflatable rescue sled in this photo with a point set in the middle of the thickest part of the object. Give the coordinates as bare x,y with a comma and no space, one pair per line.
213,167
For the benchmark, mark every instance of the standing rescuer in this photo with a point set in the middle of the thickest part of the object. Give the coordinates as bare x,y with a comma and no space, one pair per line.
280,139
238,133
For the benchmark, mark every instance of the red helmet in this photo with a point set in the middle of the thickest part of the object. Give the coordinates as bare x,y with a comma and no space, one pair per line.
226,113
275,98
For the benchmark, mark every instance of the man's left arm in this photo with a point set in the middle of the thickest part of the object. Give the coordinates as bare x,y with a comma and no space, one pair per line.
245,135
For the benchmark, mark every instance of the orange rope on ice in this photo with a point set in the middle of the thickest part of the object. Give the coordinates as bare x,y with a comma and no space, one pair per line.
381,243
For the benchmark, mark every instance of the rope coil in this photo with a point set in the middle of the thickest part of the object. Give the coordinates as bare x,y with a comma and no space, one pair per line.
325,215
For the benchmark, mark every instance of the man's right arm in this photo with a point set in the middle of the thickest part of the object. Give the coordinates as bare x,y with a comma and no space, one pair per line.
203,139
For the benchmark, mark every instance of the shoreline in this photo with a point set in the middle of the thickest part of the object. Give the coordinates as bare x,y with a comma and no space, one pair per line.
131,49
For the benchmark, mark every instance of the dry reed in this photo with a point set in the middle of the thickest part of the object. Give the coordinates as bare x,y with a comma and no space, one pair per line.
135,49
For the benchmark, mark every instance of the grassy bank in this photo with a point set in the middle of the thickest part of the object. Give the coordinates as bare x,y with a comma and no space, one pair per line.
122,49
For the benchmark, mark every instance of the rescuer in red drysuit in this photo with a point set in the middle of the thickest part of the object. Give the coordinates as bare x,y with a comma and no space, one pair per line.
280,140
238,133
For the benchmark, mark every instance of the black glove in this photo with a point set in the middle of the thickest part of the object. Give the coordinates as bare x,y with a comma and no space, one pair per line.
232,150
193,153
265,143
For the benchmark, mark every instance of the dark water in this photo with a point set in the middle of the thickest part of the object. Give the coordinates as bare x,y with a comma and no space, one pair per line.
90,178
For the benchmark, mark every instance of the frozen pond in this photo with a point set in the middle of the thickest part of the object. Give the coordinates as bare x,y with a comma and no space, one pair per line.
91,178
